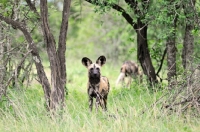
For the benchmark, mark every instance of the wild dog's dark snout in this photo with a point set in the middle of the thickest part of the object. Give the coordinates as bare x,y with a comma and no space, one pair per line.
94,72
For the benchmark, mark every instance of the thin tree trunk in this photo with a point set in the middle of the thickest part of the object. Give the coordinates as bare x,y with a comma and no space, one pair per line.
188,48
56,58
188,44
143,52
2,65
57,94
171,50
62,41
171,58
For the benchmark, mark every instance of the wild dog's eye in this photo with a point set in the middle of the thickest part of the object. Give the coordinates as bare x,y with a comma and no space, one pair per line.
91,69
97,68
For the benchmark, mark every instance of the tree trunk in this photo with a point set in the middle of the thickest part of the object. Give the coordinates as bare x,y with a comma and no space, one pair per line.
62,40
57,89
2,65
188,48
188,44
56,58
143,52
171,49
171,58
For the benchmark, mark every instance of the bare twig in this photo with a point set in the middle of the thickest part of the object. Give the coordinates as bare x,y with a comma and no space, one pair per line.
13,73
188,97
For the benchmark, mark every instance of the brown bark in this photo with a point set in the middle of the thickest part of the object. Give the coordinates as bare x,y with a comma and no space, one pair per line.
2,65
171,48
188,44
188,47
57,59
143,52
56,95
62,40
171,58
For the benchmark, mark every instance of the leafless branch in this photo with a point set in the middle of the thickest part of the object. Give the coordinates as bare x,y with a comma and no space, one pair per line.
13,73
32,7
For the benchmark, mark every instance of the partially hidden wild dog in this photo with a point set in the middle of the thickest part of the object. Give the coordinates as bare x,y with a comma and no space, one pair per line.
98,86
131,70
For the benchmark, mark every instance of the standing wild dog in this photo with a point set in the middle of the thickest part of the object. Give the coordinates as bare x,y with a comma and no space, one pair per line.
98,86
131,70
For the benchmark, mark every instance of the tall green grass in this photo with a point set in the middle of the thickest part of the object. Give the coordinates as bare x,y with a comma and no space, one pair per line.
25,109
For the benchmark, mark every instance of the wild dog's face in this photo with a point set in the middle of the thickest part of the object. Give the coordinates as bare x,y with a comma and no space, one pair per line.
94,69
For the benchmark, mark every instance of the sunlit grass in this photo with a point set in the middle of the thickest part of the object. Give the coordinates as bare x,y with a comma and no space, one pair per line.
25,111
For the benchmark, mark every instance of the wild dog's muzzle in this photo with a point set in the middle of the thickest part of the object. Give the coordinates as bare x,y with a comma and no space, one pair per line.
94,73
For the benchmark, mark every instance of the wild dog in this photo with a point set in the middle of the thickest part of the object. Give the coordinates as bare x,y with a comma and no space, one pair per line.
131,70
98,86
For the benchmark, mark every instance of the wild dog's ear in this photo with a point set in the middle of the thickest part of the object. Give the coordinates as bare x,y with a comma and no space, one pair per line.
86,61
101,60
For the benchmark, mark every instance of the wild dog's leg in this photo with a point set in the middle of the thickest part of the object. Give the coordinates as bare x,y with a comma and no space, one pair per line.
123,81
140,77
90,91
97,102
90,103
129,81
105,103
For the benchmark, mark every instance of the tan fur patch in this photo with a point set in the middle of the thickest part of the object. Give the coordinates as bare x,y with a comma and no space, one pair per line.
131,70
104,86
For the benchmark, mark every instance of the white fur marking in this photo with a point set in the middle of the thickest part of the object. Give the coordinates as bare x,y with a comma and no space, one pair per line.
120,78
